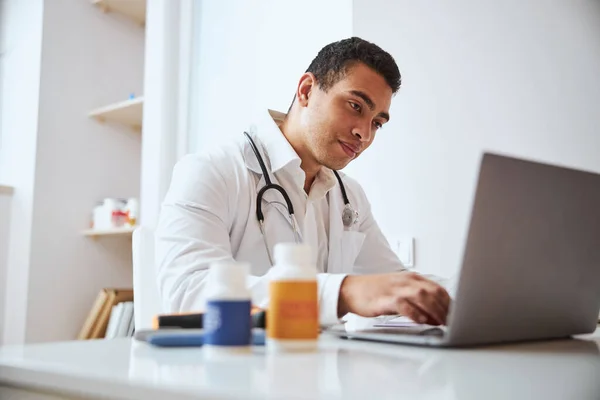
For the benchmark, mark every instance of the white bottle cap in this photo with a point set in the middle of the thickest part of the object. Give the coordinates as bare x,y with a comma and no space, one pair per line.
293,254
230,274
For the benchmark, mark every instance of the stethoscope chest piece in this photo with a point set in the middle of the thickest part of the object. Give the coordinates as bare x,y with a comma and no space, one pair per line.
349,216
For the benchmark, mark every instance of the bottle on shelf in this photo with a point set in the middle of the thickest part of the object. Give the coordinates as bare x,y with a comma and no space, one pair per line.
114,213
132,210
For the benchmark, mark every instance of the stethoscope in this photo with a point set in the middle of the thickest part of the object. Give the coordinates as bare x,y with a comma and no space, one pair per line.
349,215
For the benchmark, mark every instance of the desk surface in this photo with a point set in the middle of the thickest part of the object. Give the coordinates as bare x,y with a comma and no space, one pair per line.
348,369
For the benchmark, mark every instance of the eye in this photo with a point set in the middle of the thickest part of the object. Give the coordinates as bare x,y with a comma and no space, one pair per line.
378,125
355,106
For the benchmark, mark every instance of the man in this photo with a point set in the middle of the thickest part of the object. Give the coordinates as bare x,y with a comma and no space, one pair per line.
209,213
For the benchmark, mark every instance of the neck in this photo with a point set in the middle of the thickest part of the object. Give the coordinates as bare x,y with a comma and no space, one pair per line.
292,131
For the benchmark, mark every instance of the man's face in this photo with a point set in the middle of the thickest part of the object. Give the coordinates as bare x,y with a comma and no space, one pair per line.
341,123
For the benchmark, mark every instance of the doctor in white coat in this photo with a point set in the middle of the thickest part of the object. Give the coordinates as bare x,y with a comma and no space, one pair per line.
209,213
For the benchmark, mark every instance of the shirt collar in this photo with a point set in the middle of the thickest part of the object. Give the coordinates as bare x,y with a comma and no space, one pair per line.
324,182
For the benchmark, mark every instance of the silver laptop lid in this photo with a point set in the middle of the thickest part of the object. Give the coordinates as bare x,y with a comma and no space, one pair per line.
531,267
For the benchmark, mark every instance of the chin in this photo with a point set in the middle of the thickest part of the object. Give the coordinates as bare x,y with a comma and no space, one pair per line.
335,164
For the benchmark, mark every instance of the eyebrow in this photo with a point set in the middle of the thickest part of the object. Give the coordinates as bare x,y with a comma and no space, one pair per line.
370,103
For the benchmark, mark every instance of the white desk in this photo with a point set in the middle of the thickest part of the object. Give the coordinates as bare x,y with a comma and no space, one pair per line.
125,369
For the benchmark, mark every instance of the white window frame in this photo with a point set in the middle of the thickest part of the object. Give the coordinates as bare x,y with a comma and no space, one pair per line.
168,61
3,5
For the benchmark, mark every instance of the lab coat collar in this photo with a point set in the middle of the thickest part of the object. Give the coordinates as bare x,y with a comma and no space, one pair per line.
276,151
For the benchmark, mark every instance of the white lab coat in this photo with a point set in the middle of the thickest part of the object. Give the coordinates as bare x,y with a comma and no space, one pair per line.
209,214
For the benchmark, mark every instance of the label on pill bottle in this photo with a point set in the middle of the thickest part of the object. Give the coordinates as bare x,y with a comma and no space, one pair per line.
227,323
293,310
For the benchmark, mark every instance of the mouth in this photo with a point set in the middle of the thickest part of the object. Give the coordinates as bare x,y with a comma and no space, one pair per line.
350,150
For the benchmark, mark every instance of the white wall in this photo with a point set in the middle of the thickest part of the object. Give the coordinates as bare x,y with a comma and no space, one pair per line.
93,60
250,55
61,162
521,78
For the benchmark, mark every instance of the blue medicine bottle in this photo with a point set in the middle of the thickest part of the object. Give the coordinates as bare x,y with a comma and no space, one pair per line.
226,320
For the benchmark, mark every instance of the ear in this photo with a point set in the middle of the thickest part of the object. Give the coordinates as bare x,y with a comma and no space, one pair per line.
305,87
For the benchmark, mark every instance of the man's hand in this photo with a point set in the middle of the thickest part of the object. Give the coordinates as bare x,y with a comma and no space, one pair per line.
405,293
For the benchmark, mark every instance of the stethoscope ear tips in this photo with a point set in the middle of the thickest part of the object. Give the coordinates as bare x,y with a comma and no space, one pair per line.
349,216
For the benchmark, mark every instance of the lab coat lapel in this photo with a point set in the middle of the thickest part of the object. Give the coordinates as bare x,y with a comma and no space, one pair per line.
271,199
336,231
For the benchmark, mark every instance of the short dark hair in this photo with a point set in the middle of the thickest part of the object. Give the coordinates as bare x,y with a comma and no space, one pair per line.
332,62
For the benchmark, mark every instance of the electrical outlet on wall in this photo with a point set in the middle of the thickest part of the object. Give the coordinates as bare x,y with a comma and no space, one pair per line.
404,247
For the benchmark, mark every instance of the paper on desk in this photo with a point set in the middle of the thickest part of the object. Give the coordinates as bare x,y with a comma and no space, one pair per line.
396,321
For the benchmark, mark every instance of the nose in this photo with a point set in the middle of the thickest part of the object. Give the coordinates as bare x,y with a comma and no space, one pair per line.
363,132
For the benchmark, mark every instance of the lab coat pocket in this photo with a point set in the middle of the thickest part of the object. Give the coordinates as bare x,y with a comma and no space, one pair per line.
352,242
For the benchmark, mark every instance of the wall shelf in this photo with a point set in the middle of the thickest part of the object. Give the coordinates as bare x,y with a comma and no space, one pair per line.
134,9
94,233
128,112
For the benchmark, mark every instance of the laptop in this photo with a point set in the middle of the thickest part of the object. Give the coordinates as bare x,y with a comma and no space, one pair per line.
531,264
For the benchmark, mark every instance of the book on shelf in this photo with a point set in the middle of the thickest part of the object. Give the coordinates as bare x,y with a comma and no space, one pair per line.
113,323
131,328
125,320
121,321
99,320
